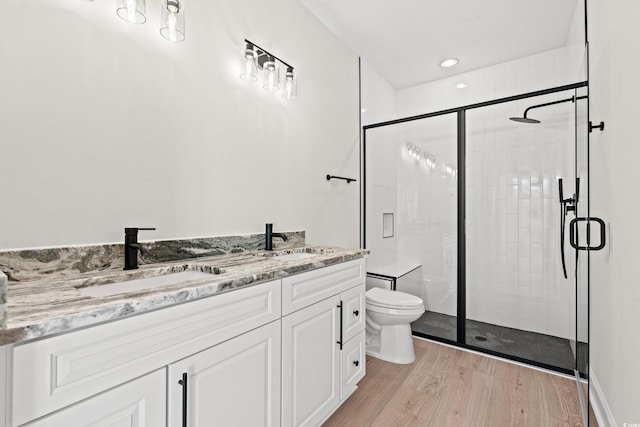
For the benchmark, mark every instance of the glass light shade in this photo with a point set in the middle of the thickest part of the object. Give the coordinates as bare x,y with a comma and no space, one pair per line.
249,67
132,11
172,24
290,89
271,77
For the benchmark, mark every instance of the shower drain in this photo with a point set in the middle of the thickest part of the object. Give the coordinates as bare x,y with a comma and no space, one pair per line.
480,338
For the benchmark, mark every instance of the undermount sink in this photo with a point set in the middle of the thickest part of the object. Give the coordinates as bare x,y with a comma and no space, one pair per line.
124,286
294,256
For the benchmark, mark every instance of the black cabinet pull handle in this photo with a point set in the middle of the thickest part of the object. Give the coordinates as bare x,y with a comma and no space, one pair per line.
183,383
340,342
356,362
356,312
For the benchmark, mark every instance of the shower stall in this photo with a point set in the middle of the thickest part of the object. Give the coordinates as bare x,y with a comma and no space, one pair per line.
478,215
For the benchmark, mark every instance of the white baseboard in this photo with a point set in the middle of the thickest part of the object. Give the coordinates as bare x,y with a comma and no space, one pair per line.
599,403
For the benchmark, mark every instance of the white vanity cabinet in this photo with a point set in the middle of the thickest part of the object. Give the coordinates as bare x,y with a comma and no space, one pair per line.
281,353
236,383
322,341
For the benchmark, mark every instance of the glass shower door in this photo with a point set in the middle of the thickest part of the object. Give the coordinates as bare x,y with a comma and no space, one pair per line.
582,257
518,301
411,215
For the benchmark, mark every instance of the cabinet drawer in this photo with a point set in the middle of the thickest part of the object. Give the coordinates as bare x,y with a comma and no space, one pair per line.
353,315
352,364
139,403
302,290
53,373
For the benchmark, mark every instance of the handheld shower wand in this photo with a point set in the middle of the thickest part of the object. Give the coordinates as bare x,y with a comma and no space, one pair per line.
563,214
566,206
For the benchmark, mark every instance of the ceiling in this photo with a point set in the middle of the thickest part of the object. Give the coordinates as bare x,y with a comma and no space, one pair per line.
405,40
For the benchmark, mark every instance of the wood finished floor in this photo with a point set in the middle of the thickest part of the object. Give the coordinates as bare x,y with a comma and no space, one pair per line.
451,387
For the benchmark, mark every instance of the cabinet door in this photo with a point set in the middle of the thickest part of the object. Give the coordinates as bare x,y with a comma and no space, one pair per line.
352,364
138,403
310,365
353,315
236,383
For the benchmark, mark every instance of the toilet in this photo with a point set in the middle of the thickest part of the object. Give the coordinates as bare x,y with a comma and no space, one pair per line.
389,314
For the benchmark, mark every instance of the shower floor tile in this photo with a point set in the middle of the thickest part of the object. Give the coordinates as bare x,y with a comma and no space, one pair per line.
533,346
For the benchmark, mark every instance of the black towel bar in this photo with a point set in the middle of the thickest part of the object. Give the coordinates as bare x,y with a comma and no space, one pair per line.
329,177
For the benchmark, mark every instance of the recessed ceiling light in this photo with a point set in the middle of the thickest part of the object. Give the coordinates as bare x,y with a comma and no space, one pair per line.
461,85
449,62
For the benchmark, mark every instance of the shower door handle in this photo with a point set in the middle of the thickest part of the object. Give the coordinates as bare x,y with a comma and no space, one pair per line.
573,233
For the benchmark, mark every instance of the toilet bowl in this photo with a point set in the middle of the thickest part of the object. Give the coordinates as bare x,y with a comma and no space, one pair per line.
389,314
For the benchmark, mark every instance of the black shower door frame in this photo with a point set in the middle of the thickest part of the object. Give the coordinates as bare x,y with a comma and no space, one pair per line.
461,206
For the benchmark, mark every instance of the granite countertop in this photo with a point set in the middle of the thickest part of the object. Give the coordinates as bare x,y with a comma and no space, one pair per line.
44,307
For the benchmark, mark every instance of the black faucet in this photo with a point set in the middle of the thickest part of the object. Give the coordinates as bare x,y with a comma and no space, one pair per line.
269,235
131,247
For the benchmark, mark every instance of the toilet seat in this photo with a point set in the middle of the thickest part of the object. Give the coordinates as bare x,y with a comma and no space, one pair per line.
387,299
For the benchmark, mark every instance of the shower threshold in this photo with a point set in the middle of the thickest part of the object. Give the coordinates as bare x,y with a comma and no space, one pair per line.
540,349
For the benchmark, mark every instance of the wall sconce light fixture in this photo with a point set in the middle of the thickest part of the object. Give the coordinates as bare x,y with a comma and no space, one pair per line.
132,11
249,69
290,90
425,158
172,15
414,152
272,74
430,160
172,25
256,60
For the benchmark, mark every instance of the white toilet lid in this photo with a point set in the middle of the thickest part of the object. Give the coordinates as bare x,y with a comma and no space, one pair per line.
387,298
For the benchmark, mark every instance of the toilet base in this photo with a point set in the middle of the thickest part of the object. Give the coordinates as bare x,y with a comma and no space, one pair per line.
391,343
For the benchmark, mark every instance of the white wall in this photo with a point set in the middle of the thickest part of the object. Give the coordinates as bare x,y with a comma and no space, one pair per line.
105,124
615,289
548,69
378,97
